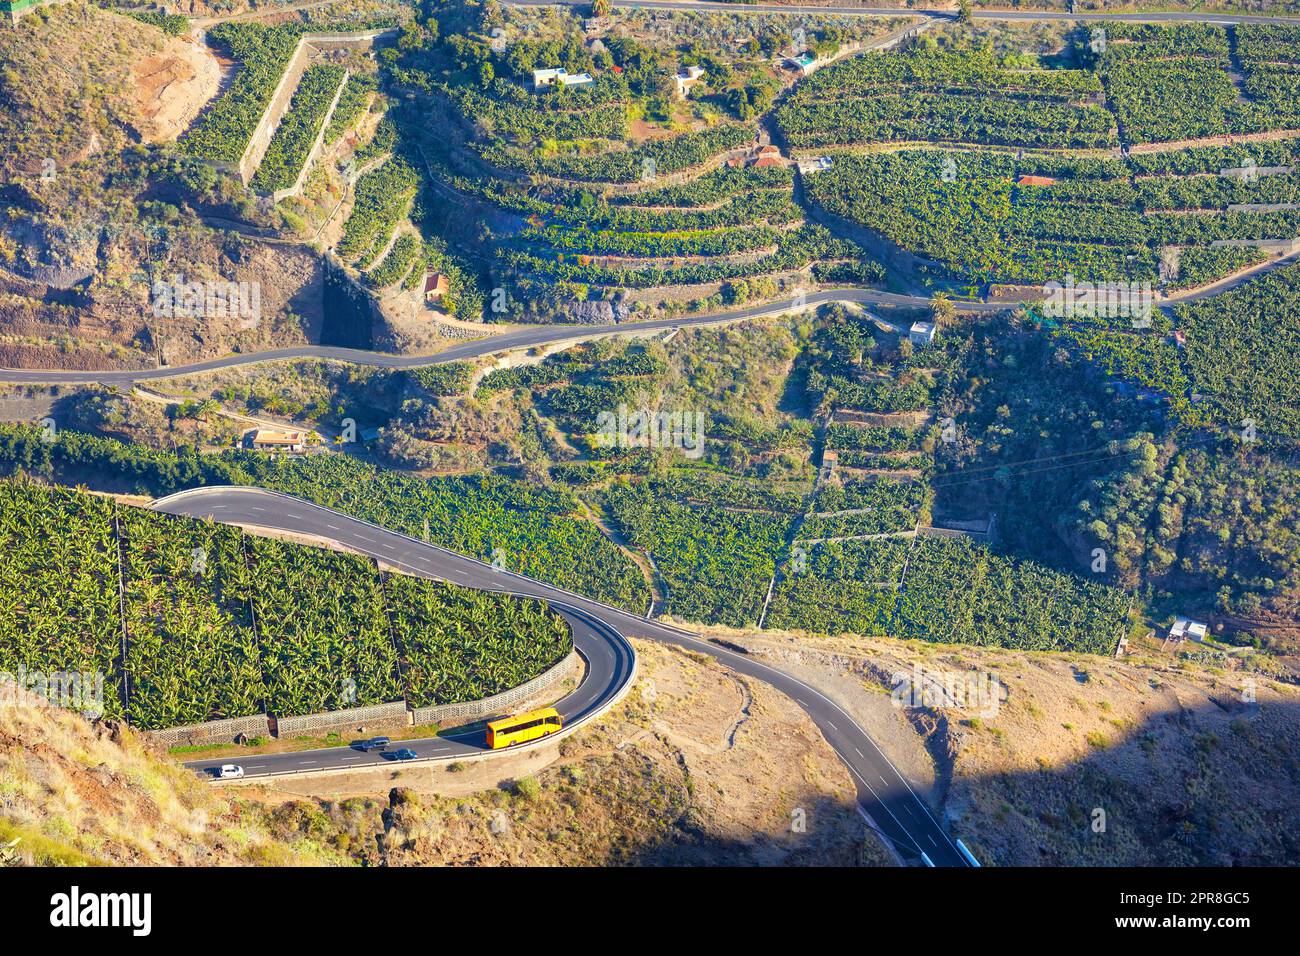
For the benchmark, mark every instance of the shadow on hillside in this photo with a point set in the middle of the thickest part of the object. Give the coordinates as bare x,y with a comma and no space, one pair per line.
1216,786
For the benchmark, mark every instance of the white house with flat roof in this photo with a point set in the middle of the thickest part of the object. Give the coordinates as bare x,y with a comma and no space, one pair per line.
687,78
805,63
1185,628
921,333
550,77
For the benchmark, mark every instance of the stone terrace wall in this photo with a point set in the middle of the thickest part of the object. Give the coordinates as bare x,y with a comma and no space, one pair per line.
315,146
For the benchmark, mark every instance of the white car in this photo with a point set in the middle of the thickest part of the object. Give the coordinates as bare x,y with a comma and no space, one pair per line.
230,771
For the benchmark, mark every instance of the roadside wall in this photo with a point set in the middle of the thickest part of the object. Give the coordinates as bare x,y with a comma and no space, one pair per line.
499,704
391,715
213,732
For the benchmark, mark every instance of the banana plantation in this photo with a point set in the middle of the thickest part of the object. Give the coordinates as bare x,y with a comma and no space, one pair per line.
189,621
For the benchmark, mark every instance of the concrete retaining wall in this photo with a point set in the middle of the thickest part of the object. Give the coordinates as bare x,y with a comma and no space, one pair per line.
308,45
213,732
275,110
315,146
389,716
498,704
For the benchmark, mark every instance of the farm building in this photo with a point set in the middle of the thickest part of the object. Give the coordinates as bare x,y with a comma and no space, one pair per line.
921,333
436,287
687,78
1035,181
805,63
550,77
267,439
830,459
12,10
1184,628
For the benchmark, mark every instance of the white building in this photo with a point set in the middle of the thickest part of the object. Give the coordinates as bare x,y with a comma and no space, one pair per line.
687,78
815,165
1185,628
550,77
921,333
269,439
805,63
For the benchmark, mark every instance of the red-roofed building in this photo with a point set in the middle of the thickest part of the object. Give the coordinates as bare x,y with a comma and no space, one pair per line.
1035,181
435,287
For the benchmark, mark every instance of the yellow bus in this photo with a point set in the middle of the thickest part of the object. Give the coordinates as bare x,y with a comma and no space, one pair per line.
522,727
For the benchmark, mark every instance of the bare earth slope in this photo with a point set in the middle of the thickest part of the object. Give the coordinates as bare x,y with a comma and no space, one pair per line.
1080,760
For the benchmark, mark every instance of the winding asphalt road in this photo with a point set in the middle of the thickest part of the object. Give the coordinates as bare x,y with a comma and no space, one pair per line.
518,339
885,797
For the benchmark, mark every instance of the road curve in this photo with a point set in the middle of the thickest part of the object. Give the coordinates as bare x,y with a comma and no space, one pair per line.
885,797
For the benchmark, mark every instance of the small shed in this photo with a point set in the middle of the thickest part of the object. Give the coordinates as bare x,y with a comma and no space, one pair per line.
921,333
436,287
687,78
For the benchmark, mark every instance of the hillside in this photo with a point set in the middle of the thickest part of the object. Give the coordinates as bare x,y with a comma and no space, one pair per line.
83,794
1189,764
78,80
189,621
695,767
